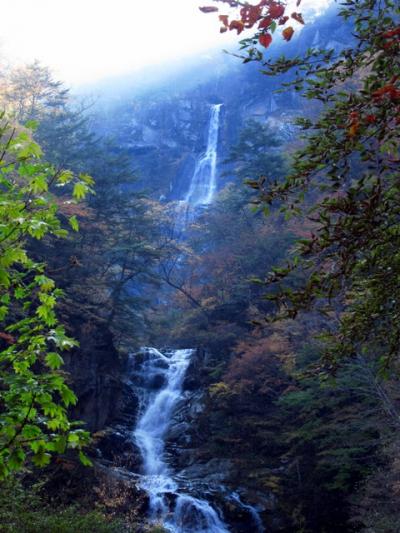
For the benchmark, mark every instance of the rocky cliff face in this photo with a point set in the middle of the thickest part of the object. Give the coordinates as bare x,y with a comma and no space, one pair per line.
165,128
188,452
191,448
97,372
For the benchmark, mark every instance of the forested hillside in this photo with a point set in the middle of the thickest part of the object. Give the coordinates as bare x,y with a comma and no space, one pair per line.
199,286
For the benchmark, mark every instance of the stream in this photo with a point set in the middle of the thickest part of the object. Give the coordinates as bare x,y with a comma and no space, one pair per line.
177,511
162,376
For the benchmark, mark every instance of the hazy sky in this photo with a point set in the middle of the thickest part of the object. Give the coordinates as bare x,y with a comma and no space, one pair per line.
86,40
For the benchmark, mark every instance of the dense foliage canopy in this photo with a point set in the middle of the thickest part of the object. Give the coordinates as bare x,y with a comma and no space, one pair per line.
34,394
344,180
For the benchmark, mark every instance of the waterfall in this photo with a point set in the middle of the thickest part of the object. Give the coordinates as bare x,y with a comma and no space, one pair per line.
163,376
259,528
203,183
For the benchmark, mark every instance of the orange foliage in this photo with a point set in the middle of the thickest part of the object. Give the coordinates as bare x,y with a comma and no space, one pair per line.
71,208
354,125
237,25
256,366
287,33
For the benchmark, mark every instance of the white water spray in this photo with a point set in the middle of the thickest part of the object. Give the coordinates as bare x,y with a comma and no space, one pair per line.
178,512
259,528
203,183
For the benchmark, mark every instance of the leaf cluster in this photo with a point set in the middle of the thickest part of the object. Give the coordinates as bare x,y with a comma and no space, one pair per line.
344,182
34,394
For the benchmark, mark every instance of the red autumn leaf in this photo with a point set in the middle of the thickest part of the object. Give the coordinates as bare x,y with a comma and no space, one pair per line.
265,39
254,15
224,19
223,29
208,9
371,119
283,21
287,33
395,95
389,44
298,17
388,90
9,339
265,23
250,15
236,25
276,10
392,33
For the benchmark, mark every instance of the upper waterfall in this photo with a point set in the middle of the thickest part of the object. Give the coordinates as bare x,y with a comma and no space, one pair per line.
203,183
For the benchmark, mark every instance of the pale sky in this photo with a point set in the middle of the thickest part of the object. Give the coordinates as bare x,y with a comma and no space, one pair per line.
83,41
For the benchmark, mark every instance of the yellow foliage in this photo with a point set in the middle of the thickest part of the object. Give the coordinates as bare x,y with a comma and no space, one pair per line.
219,389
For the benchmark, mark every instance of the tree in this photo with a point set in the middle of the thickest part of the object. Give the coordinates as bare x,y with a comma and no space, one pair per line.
30,91
257,153
345,180
34,394
104,268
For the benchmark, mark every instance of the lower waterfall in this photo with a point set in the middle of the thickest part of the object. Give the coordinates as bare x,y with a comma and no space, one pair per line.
163,376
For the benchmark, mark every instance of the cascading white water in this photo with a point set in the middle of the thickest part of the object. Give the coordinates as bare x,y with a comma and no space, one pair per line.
163,377
259,528
203,183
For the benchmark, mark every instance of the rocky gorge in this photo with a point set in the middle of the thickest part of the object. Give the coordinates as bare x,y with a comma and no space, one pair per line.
210,452
243,508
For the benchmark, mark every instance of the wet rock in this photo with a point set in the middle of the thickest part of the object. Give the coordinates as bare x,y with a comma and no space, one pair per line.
157,381
177,430
194,378
117,447
212,473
